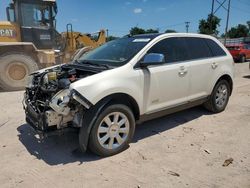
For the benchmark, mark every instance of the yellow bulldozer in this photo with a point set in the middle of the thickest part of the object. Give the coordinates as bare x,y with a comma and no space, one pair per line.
29,41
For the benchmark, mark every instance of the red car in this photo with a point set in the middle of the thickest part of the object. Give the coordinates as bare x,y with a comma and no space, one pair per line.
240,52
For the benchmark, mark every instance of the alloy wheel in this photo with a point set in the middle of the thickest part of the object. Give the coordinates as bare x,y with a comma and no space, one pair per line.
221,95
113,130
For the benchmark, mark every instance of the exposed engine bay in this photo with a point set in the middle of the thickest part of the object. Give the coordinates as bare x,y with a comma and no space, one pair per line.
49,103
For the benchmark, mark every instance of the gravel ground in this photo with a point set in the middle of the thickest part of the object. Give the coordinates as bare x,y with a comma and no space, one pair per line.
185,149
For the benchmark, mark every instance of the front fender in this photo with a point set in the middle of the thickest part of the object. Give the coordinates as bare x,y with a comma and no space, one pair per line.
95,88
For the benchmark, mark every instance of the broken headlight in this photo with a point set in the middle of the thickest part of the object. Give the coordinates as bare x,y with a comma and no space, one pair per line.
29,81
60,101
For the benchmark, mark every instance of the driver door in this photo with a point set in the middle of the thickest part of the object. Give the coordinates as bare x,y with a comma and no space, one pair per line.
166,85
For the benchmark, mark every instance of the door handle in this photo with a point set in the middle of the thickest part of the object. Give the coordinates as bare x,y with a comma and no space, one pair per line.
182,71
214,65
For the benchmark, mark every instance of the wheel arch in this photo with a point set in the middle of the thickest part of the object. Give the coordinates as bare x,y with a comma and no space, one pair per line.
229,79
121,98
92,113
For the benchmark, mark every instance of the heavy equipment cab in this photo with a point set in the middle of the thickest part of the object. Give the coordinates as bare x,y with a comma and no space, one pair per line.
36,19
29,41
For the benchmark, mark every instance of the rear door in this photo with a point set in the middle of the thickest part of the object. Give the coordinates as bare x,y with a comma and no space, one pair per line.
207,62
200,67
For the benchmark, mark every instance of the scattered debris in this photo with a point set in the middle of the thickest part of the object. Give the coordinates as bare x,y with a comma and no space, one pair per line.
4,123
187,129
138,186
156,132
228,162
204,138
207,151
174,173
142,156
209,164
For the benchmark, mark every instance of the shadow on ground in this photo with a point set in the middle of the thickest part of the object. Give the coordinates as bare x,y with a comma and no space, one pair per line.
247,76
63,149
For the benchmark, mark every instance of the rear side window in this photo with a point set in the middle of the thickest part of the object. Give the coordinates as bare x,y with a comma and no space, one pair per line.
215,48
174,49
197,48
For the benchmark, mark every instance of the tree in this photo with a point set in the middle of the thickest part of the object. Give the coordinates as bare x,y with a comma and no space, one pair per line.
222,35
248,24
137,31
152,31
170,31
238,31
210,25
109,38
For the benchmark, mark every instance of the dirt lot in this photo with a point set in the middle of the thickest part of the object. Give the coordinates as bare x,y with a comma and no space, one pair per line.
186,149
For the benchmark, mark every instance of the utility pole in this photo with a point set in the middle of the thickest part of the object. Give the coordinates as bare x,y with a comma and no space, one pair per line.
187,26
212,15
107,31
217,5
228,13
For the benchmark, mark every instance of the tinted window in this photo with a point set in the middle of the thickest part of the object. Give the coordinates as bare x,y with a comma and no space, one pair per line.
174,49
197,48
215,48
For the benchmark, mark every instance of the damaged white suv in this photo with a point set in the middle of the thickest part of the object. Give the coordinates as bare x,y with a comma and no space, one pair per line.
129,80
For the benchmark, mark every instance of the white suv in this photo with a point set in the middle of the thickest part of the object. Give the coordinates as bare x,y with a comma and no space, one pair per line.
129,80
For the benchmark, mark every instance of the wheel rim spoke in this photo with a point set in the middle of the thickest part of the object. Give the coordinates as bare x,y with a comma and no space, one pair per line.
119,139
104,139
107,121
111,142
103,130
116,117
123,121
123,130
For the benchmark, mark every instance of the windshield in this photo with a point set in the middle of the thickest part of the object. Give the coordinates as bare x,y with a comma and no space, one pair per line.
35,15
115,53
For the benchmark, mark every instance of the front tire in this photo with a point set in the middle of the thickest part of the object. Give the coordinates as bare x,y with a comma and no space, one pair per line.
14,70
112,131
219,97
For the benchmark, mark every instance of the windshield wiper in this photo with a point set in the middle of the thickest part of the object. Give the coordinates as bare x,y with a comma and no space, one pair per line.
85,62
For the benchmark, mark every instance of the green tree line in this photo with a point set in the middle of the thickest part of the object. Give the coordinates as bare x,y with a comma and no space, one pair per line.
207,26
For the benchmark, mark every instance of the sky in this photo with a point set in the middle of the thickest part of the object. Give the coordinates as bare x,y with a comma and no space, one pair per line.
118,16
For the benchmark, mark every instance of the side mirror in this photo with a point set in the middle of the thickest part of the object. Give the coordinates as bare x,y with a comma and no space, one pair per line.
153,59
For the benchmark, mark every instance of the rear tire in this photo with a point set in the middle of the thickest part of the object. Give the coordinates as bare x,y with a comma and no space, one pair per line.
219,97
242,59
112,131
14,70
